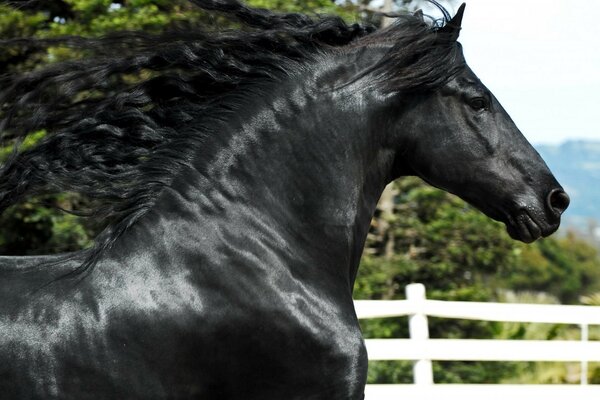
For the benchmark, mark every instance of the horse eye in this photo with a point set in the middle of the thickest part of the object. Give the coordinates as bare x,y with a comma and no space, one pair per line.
478,103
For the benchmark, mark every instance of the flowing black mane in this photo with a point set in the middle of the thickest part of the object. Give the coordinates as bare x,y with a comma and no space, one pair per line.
121,120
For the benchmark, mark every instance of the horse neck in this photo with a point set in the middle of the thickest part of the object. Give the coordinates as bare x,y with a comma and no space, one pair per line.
299,168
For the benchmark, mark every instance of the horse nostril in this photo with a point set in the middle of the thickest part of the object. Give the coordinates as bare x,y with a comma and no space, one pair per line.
558,201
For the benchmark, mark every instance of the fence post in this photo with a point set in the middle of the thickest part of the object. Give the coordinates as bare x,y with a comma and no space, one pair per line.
585,335
419,332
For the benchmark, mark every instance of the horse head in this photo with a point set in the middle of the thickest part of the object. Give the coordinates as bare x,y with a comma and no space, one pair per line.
458,137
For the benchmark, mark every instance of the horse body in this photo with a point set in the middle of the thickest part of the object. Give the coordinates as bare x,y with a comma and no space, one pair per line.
237,284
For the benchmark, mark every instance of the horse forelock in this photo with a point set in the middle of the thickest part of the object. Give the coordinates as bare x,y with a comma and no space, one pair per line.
419,58
119,142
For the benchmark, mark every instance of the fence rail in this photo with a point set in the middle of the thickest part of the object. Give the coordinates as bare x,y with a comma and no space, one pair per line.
422,350
483,350
479,392
534,313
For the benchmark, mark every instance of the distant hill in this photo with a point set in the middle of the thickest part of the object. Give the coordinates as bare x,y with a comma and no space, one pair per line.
576,165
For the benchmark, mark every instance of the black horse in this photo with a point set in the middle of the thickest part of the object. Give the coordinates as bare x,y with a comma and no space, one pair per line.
238,175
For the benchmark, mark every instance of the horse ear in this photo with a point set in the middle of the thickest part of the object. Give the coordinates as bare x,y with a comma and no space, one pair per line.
419,14
452,27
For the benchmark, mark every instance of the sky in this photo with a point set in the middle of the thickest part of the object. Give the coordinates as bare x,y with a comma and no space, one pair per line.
541,59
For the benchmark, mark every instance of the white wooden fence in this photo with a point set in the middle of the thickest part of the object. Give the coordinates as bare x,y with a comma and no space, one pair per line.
422,350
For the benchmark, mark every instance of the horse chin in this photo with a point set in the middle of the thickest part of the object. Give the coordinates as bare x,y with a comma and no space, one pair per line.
527,229
524,229
525,224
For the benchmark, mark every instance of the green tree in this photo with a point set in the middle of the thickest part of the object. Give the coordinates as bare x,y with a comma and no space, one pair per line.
454,250
566,267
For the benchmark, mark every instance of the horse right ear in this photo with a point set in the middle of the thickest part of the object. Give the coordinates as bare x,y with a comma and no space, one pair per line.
452,27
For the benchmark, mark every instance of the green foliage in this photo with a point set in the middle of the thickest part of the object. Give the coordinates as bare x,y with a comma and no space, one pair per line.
390,372
346,9
15,23
566,267
29,228
437,239
30,141
98,17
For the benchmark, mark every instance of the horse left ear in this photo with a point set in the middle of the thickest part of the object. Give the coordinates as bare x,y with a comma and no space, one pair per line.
452,27
419,14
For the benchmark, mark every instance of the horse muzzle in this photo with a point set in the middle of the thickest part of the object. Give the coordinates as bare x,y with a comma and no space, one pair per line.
528,223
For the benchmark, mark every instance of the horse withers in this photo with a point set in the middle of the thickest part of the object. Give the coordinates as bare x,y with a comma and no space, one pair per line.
239,180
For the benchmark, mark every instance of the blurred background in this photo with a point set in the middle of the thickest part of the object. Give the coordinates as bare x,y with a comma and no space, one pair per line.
540,58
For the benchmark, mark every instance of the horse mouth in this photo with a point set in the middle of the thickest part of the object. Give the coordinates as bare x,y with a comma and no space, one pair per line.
526,228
